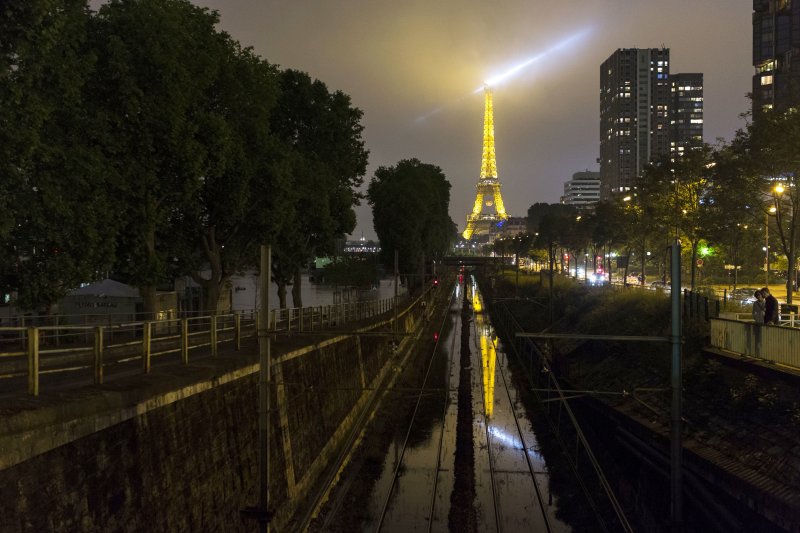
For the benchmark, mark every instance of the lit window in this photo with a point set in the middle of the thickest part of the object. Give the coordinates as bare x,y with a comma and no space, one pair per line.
767,80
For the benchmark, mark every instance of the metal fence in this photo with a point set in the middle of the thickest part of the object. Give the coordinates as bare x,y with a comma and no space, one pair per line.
775,344
35,349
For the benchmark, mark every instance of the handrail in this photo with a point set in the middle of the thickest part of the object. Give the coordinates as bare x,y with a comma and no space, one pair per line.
773,344
168,335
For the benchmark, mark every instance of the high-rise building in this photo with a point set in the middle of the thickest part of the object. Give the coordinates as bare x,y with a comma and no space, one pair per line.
634,121
582,190
776,54
686,113
645,114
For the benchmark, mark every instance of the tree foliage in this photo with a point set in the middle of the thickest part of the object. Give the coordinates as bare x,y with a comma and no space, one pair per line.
321,132
410,202
56,223
143,141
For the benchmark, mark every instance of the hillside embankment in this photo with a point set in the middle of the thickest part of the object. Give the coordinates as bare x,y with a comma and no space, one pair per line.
741,431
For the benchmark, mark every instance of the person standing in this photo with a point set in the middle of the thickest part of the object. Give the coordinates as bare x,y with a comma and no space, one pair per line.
770,307
759,308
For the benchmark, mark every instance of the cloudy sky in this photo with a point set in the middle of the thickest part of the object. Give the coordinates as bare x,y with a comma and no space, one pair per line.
401,60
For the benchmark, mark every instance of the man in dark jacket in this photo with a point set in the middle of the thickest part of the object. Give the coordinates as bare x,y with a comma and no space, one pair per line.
770,307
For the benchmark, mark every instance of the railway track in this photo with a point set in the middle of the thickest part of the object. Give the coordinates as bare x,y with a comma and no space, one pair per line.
417,487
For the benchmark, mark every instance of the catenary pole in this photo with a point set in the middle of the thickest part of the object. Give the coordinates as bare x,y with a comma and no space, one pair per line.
676,489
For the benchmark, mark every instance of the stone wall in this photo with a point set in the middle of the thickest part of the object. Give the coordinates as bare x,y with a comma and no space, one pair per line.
177,449
186,466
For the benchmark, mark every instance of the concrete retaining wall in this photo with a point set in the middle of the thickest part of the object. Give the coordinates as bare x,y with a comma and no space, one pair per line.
176,450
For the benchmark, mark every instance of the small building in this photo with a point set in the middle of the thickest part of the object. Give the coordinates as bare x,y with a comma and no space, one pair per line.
103,302
582,190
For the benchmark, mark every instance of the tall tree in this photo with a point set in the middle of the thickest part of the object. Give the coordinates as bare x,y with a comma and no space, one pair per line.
410,203
676,193
239,202
56,222
769,167
152,86
322,132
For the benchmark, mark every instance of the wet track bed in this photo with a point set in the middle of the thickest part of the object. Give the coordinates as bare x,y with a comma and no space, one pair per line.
451,447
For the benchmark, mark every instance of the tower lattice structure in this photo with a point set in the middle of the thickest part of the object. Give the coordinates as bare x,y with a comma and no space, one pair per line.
488,188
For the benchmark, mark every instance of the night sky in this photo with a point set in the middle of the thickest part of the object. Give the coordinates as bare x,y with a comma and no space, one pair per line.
402,60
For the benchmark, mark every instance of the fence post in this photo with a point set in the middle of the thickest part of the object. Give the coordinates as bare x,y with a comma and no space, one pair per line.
185,341
237,331
213,328
33,361
146,336
300,319
98,355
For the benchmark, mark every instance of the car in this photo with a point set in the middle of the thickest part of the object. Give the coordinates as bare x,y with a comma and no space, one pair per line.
660,285
744,295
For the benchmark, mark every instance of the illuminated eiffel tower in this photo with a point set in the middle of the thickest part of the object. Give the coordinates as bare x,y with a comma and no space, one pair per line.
479,222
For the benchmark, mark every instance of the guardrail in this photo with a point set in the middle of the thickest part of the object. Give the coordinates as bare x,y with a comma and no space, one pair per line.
776,344
33,350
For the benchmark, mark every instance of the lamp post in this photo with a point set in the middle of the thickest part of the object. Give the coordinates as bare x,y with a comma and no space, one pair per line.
777,191
766,245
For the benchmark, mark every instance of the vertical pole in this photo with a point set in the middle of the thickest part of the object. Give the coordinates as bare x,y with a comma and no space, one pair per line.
185,341
264,375
675,412
146,335
33,361
213,331
396,274
237,331
98,355
766,247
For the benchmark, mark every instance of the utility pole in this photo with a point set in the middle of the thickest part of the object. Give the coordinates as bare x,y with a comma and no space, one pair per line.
396,276
261,511
676,483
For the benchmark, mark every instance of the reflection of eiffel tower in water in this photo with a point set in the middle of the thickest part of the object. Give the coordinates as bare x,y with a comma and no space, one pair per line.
488,196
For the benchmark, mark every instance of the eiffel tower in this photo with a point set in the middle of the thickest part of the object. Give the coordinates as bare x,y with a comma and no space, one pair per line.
480,222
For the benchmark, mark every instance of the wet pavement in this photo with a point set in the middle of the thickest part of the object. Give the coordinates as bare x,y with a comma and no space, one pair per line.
417,485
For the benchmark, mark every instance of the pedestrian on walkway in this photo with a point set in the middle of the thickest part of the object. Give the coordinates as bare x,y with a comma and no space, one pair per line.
759,308
770,307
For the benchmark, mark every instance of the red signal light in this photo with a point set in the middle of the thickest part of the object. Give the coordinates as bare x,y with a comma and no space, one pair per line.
436,336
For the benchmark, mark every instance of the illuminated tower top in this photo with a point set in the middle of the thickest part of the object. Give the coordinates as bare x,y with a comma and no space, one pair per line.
488,188
488,161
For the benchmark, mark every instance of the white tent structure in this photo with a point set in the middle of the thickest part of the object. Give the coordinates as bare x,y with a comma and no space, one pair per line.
103,302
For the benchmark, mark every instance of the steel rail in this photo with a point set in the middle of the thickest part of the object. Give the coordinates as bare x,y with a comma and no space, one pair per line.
447,391
495,498
581,437
364,417
525,452
408,434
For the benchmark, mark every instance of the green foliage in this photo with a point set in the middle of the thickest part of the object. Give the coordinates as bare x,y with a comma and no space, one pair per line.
410,204
152,86
142,140
321,133
56,224
351,271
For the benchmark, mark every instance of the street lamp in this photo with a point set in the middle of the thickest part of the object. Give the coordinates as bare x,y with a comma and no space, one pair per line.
772,210
777,191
